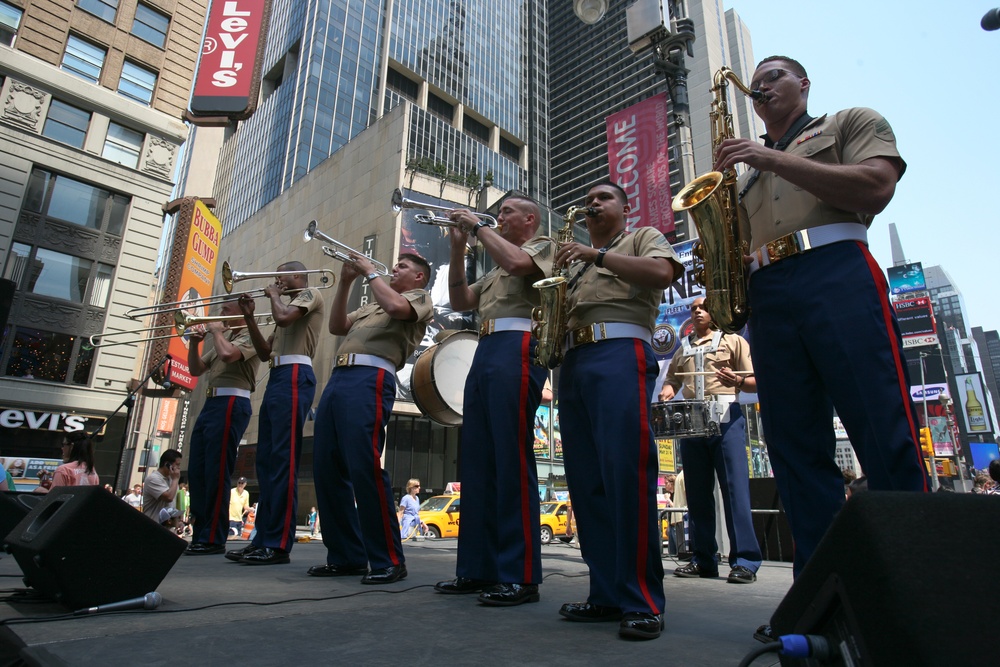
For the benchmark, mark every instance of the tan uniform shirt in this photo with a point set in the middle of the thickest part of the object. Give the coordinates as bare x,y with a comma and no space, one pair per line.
374,332
503,295
733,352
302,335
774,207
601,296
241,374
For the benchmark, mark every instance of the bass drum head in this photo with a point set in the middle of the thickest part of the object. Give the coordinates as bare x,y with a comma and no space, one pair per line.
439,374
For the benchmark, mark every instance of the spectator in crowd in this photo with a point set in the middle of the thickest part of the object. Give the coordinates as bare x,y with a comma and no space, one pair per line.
981,484
6,481
160,489
239,507
995,476
78,463
134,498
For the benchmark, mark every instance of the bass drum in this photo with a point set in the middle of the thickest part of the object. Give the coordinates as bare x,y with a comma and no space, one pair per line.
438,380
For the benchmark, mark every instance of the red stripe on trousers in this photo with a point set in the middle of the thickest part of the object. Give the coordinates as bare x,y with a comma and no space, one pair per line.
642,546
883,298
377,470
223,458
522,427
290,495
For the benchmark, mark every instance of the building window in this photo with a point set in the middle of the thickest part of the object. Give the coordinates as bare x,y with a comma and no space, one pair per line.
408,88
66,123
137,83
69,200
102,9
10,21
150,25
83,59
476,129
510,150
440,107
122,145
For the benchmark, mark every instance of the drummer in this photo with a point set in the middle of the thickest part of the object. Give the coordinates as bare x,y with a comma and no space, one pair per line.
499,544
718,368
353,491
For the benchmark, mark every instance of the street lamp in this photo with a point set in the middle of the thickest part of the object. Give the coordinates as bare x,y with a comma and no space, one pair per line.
590,11
935,483
950,416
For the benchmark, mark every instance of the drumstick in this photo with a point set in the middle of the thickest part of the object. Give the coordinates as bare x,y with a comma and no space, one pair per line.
713,373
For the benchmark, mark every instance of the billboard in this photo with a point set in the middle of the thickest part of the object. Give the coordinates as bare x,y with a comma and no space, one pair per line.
906,278
916,321
227,81
638,161
970,405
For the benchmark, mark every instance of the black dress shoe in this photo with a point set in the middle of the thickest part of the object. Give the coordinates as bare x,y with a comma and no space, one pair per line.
337,570
741,575
694,571
584,612
508,595
765,633
265,556
385,575
640,625
238,554
204,549
462,585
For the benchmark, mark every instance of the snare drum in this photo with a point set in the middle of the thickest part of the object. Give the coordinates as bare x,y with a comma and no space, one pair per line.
438,380
683,419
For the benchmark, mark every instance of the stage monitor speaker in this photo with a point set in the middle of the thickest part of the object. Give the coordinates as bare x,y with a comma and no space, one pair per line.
902,579
84,546
14,506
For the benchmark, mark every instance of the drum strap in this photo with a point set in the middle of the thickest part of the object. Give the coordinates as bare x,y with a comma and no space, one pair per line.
698,352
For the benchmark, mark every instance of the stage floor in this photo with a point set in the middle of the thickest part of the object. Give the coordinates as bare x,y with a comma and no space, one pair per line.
215,611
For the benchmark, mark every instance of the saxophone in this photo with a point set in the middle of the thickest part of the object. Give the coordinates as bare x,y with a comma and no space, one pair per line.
713,202
549,319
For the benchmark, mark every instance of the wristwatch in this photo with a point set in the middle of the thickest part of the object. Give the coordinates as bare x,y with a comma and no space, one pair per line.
599,260
371,276
479,225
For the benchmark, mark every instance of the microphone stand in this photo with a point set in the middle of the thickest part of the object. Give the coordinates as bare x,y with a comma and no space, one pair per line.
128,404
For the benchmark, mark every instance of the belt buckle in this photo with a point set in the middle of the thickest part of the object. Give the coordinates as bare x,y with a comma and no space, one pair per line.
343,360
486,327
784,247
270,362
585,335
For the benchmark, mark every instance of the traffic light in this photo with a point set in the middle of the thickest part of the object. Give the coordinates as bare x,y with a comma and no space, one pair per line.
926,443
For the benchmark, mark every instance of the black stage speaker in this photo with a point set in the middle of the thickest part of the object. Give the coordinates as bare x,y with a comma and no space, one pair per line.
84,546
14,506
902,579
771,527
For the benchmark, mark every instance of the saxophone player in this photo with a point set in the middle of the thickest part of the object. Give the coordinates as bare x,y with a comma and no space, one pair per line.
605,387
822,180
499,544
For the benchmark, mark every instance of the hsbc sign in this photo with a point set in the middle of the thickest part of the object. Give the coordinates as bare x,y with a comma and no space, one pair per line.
228,78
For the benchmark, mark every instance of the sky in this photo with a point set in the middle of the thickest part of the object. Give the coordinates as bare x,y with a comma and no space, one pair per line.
931,70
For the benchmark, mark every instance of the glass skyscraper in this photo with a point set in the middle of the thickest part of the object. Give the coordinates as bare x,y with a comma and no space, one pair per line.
476,72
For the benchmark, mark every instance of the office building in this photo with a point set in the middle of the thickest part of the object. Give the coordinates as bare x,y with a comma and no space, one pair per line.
90,130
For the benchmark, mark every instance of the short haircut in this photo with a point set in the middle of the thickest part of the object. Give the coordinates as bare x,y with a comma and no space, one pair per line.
794,66
419,261
412,484
995,470
619,190
169,456
533,206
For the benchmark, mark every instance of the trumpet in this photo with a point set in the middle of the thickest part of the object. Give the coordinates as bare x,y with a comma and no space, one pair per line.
339,250
399,202
229,278
183,326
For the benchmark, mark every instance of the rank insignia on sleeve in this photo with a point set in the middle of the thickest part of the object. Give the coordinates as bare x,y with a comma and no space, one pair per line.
884,131
808,137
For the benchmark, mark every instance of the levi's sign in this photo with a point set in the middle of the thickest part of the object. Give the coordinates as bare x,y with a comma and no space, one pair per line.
228,78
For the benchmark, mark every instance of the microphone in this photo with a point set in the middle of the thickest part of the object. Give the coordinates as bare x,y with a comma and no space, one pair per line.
147,601
991,20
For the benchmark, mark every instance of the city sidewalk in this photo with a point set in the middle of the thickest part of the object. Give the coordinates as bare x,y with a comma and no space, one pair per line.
216,611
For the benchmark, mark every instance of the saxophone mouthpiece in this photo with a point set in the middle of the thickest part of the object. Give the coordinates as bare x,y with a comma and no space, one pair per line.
758,97
590,212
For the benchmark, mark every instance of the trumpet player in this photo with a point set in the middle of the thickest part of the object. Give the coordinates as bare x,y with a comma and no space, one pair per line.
353,491
605,388
499,544
291,387
229,364
822,180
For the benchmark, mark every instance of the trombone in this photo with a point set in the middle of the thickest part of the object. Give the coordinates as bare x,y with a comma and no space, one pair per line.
399,202
339,250
229,278
182,326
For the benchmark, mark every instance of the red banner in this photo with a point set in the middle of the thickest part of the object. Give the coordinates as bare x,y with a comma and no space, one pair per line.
638,162
228,75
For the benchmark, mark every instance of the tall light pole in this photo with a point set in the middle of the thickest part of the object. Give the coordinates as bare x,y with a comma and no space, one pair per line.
935,483
956,443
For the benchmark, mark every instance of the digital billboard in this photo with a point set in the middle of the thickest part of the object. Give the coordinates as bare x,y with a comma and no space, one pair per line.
906,278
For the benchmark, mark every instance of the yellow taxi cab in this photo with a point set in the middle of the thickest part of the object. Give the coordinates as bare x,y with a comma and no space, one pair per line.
553,519
441,514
